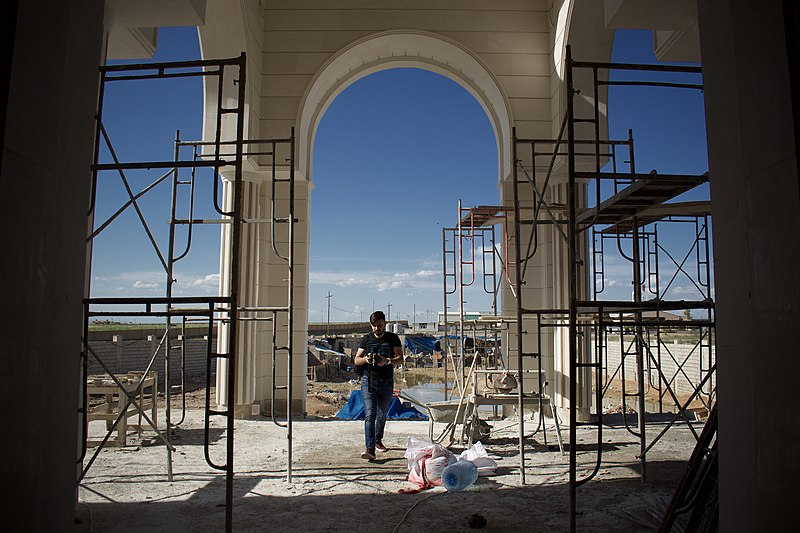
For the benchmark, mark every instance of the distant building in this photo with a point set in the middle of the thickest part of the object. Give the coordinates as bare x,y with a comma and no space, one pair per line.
453,316
662,315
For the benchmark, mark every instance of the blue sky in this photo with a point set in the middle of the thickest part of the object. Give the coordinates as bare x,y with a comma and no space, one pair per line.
393,155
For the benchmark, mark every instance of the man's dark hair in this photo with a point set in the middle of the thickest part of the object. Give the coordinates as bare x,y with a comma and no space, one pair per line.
376,316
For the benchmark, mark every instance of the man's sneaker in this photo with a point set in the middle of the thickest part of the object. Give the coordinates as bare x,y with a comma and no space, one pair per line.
380,447
369,453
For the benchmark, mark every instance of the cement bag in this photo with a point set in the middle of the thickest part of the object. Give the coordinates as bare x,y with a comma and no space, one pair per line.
478,455
426,461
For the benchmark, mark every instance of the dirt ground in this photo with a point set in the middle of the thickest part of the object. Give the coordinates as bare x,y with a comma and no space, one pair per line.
333,489
325,398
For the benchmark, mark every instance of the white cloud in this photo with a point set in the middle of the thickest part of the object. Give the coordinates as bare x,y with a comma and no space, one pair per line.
379,280
197,284
134,283
386,285
209,280
126,284
353,282
686,290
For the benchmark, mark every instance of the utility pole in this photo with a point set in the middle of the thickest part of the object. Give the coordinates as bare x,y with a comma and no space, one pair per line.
389,312
328,327
414,319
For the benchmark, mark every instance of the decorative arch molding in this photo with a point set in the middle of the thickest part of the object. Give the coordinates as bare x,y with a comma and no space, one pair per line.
224,36
579,23
404,49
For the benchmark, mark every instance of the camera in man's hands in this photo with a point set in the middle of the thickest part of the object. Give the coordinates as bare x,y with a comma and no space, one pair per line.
374,358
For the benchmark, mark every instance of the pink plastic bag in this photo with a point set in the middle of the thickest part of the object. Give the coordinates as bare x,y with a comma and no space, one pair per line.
426,461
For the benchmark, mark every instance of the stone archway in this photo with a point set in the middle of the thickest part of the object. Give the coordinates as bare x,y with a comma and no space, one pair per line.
502,57
404,49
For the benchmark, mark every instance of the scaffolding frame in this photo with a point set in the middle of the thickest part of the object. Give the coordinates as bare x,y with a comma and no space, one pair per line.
460,270
654,327
475,224
219,312
636,204
628,210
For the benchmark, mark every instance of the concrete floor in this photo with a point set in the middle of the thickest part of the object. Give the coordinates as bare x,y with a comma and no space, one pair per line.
333,489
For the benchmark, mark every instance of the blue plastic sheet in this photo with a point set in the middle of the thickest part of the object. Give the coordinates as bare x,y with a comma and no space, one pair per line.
418,345
354,409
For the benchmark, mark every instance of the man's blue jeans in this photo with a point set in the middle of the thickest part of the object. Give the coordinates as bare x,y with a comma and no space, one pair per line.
376,404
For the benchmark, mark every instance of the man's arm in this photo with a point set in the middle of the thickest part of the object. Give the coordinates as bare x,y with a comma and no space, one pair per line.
397,358
361,357
397,353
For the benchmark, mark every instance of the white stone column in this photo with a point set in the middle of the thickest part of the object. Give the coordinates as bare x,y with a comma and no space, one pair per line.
248,295
264,274
546,286
273,290
535,292
560,299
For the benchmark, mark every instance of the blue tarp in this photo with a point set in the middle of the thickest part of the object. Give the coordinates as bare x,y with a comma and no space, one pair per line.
420,344
354,410
469,342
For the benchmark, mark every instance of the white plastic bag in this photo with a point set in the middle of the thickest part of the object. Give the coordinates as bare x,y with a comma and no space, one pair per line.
478,455
426,461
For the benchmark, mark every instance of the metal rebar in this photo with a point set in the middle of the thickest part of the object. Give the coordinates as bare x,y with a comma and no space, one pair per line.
234,288
290,303
519,303
573,289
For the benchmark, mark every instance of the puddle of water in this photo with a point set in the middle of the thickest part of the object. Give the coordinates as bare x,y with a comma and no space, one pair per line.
409,380
425,392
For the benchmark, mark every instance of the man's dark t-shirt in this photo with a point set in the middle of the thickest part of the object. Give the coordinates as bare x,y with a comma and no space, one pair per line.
384,346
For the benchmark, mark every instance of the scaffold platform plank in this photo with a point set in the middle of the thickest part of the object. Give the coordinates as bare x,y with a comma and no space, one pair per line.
647,191
661,212
483,216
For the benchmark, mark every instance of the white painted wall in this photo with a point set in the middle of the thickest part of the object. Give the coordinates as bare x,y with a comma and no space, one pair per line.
45,180
752,116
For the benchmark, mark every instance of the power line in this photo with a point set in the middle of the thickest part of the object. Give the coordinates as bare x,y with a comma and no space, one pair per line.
345,310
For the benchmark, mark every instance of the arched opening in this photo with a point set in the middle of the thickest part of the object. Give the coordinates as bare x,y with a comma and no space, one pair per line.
393,154
403,49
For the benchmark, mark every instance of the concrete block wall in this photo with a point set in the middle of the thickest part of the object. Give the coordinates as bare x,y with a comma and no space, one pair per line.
683,381
124,351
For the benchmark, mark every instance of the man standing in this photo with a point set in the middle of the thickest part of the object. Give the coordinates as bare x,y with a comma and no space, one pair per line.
377,354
